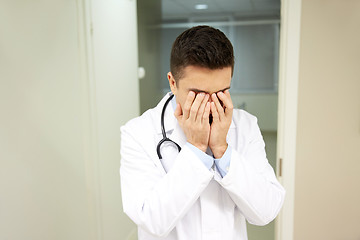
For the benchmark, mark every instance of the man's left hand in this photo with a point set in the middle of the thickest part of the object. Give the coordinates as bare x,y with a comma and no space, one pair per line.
222,116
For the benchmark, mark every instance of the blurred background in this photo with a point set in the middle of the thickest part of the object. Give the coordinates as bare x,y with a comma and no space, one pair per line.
69,78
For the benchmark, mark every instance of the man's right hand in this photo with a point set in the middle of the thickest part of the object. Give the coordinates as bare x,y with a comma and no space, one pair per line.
194,119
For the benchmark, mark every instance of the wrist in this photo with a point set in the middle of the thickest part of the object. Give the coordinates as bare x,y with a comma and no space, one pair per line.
219,151
202,147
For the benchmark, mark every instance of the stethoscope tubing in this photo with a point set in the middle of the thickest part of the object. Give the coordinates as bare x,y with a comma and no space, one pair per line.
165,138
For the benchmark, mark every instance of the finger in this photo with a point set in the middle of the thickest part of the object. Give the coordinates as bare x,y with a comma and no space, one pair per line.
214,113
226,99
227,93
195,106
178,112
187,105
202,108
206,114
219,108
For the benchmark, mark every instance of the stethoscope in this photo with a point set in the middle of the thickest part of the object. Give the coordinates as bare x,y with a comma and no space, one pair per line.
165,139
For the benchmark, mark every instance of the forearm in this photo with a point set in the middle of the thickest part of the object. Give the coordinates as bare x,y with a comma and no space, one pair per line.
255,191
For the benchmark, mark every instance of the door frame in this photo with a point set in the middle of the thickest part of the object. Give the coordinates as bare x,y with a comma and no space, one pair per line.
287,112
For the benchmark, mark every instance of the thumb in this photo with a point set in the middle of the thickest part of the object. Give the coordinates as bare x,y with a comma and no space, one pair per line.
178,111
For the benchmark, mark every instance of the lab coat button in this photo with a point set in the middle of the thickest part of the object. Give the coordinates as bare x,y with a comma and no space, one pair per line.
227,169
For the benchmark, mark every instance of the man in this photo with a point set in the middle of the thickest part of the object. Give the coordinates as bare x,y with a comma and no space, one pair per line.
213,175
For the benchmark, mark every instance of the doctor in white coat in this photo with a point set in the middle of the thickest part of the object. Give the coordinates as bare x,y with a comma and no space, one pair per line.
212,175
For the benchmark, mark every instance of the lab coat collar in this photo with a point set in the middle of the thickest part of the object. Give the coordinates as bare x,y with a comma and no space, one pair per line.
169,119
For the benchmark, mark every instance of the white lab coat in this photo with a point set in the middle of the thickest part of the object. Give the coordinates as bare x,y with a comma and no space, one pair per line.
191,201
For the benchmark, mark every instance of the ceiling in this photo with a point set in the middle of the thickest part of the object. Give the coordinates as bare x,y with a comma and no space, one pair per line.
180,10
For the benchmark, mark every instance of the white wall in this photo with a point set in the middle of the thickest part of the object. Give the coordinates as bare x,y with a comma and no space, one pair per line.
43,182
63,97
117,101
319,120
327,179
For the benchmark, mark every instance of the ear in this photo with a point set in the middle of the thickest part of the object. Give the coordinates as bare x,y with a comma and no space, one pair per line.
172,83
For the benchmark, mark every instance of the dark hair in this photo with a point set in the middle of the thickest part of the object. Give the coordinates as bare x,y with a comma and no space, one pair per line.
201,46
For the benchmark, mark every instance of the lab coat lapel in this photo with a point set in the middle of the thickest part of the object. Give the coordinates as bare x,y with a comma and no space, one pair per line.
173,131
172,127
178,135
169,151
231,133
169,118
